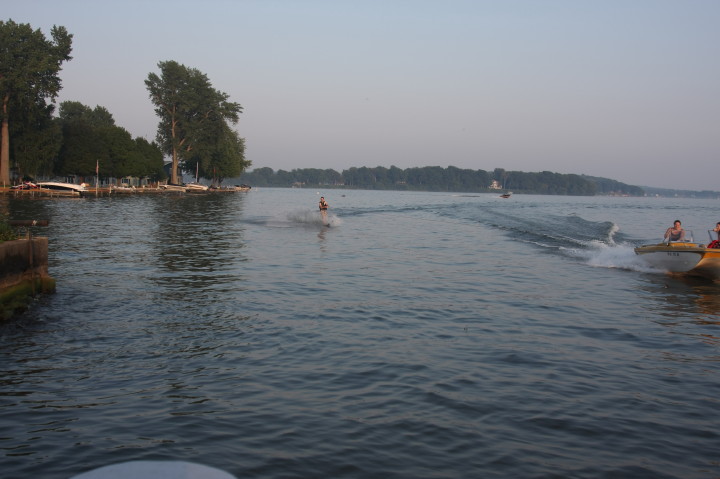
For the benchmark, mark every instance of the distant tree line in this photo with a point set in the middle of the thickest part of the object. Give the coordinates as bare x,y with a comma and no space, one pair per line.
667,192
607,186
436,178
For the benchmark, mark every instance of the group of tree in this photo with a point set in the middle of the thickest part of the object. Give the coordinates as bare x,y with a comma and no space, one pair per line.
92,143
194,120
436,178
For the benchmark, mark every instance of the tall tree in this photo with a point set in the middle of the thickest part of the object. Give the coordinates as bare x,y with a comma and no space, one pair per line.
192,114
29,67
37,138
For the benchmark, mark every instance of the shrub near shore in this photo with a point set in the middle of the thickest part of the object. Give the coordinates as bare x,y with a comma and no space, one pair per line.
7,233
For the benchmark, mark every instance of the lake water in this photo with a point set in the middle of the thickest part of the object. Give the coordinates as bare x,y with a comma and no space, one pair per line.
421,335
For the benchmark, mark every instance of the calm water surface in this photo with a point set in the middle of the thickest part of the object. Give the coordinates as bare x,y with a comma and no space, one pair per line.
421,335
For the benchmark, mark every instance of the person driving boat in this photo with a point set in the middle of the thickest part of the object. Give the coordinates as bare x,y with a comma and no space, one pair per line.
675,232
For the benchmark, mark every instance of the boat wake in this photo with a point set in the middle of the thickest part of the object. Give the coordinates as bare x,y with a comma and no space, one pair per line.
596,243
604,255
313,218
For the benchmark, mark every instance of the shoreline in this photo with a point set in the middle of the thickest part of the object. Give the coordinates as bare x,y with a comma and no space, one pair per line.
114,190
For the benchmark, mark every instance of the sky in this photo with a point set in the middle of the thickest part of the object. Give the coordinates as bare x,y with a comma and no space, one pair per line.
621,89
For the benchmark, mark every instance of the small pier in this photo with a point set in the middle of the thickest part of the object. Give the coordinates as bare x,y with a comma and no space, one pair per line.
114,190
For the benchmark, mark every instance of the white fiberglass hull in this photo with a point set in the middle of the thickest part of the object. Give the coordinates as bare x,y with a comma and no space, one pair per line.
683,257
191,187
672,261
62,188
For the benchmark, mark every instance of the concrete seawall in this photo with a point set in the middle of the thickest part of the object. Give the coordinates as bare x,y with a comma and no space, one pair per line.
23,273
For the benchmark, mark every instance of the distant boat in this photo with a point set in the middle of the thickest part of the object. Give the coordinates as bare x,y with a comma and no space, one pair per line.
62,188
174,187
506,195
26,185
195,187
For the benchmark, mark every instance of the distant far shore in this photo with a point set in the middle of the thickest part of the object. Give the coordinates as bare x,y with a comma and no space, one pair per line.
456,180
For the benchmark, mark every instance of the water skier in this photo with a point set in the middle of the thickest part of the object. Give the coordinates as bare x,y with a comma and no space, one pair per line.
323,205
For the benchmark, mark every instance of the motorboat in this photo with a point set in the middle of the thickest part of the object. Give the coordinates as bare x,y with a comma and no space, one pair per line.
195,187
174,187
57,187
684,256
506,195
25,185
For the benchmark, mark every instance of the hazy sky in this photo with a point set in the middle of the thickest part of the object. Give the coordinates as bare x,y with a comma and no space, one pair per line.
623,89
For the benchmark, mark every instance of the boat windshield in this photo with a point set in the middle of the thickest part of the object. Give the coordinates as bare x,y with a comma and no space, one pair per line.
714,235
687,238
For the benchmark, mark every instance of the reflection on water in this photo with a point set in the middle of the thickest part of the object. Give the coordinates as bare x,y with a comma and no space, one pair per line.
683,303
198,242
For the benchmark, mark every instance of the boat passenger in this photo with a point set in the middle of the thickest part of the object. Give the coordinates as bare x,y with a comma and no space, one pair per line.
323,204
675,232
716,242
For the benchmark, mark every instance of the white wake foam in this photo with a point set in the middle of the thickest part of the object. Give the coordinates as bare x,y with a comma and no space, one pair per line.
313,218
612,255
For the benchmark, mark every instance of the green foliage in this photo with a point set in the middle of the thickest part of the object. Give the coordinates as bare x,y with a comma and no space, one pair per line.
606,186
91,140
72,111
193,128
146,160
37,138
119,149
227,158
220,157
548,183
29,63
82,148
29,68
7,233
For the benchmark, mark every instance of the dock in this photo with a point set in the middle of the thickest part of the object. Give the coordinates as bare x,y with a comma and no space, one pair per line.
116,190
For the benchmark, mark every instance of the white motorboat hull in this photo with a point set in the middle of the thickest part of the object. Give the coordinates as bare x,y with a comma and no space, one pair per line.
195,187
62,188
171,187
672,261
682,257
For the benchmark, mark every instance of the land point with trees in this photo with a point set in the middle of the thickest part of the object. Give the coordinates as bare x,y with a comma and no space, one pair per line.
194,128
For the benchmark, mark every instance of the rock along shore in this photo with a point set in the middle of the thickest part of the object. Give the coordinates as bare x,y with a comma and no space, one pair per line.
23,274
